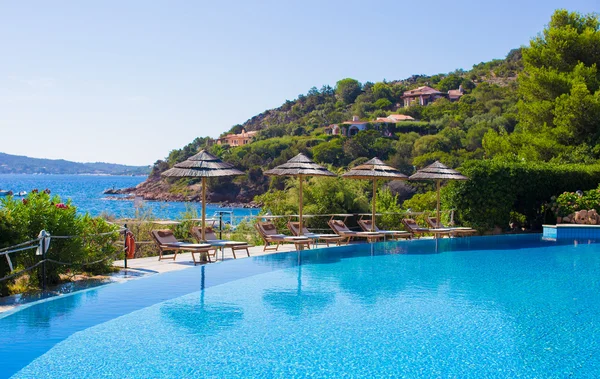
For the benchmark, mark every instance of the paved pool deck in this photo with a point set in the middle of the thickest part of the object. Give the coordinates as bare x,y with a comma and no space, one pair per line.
152,265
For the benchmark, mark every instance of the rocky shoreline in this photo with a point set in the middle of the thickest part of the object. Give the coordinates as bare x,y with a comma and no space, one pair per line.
159,194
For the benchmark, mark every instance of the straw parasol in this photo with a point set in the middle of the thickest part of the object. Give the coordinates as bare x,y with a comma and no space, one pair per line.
374,170
299,166
438,172
202,165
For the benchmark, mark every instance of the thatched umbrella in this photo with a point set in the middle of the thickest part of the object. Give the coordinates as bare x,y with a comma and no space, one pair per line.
202,165
299,166
438,172
374,170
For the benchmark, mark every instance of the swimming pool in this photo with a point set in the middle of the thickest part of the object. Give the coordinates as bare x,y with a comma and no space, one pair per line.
471,307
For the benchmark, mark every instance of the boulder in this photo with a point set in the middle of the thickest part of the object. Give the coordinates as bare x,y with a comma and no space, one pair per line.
593,217
581,217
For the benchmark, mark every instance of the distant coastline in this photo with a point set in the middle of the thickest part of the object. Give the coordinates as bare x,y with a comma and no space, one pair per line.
80,174
18,164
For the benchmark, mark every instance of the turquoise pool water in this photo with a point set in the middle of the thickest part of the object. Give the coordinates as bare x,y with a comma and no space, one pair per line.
510,306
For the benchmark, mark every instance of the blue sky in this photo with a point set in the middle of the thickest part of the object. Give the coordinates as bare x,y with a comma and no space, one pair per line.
128,81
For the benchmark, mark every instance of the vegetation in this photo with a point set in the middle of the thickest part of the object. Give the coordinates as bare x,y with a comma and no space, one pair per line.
23,219
498,187
570,202
536,113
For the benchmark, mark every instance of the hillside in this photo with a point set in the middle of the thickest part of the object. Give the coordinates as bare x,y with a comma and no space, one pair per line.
447,130
16,164
540,105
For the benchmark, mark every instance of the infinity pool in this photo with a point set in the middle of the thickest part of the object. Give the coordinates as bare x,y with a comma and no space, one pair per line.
510,306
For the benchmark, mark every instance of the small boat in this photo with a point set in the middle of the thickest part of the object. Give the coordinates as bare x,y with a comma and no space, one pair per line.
5,193
21,193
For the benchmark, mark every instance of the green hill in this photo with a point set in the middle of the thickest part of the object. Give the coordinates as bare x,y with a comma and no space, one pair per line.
448,130
538,107
16,164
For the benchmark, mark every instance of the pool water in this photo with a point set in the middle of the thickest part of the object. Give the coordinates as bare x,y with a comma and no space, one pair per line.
509,306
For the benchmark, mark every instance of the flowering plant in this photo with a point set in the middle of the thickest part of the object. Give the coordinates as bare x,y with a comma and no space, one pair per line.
570,202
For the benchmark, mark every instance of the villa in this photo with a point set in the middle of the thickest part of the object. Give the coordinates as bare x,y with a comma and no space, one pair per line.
422,95
240,139
426,95
351,128
455,94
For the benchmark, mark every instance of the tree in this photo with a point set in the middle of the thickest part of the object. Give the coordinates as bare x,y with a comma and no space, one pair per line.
383,104
561,77
449,82
330,152
347,90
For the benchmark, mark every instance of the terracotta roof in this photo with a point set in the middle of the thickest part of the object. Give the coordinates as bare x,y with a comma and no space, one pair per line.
424,90
401,117
455,93
245,134
393,118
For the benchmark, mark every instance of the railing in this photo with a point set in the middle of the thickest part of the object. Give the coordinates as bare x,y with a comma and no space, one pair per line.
42,243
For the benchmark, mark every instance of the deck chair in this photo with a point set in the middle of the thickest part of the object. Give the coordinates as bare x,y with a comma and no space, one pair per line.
268,232
456,231
394,234
166,241
294,227
211,239
340,228
414,228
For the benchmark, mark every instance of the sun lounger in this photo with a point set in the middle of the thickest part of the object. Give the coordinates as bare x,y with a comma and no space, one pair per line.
412,226
366,225
268,232
211,239
456,231
294,227
166,241
340,228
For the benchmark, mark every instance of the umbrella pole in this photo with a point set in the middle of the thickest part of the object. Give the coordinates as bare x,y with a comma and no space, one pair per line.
373,205
203,208
301,231
439,221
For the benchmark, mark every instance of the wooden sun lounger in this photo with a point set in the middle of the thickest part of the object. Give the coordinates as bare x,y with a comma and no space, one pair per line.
394,234
456,231
412,226
211,239
166,241
268,232
340,228
294,227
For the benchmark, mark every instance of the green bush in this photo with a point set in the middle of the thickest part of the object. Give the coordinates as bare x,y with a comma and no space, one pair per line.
569,202
498,187
23,219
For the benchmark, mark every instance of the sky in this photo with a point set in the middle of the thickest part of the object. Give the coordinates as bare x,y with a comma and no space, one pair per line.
128,81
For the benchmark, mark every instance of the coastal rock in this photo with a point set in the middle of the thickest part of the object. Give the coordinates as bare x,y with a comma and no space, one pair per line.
117,191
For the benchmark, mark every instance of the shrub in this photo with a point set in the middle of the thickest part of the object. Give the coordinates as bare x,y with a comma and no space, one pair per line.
569,202
497,187
23,219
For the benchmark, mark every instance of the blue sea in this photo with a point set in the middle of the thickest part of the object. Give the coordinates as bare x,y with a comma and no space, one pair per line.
86,193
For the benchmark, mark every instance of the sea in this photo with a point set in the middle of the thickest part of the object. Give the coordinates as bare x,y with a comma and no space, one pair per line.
86,194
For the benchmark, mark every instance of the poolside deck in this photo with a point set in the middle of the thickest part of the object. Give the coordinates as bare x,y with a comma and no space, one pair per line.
184,260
